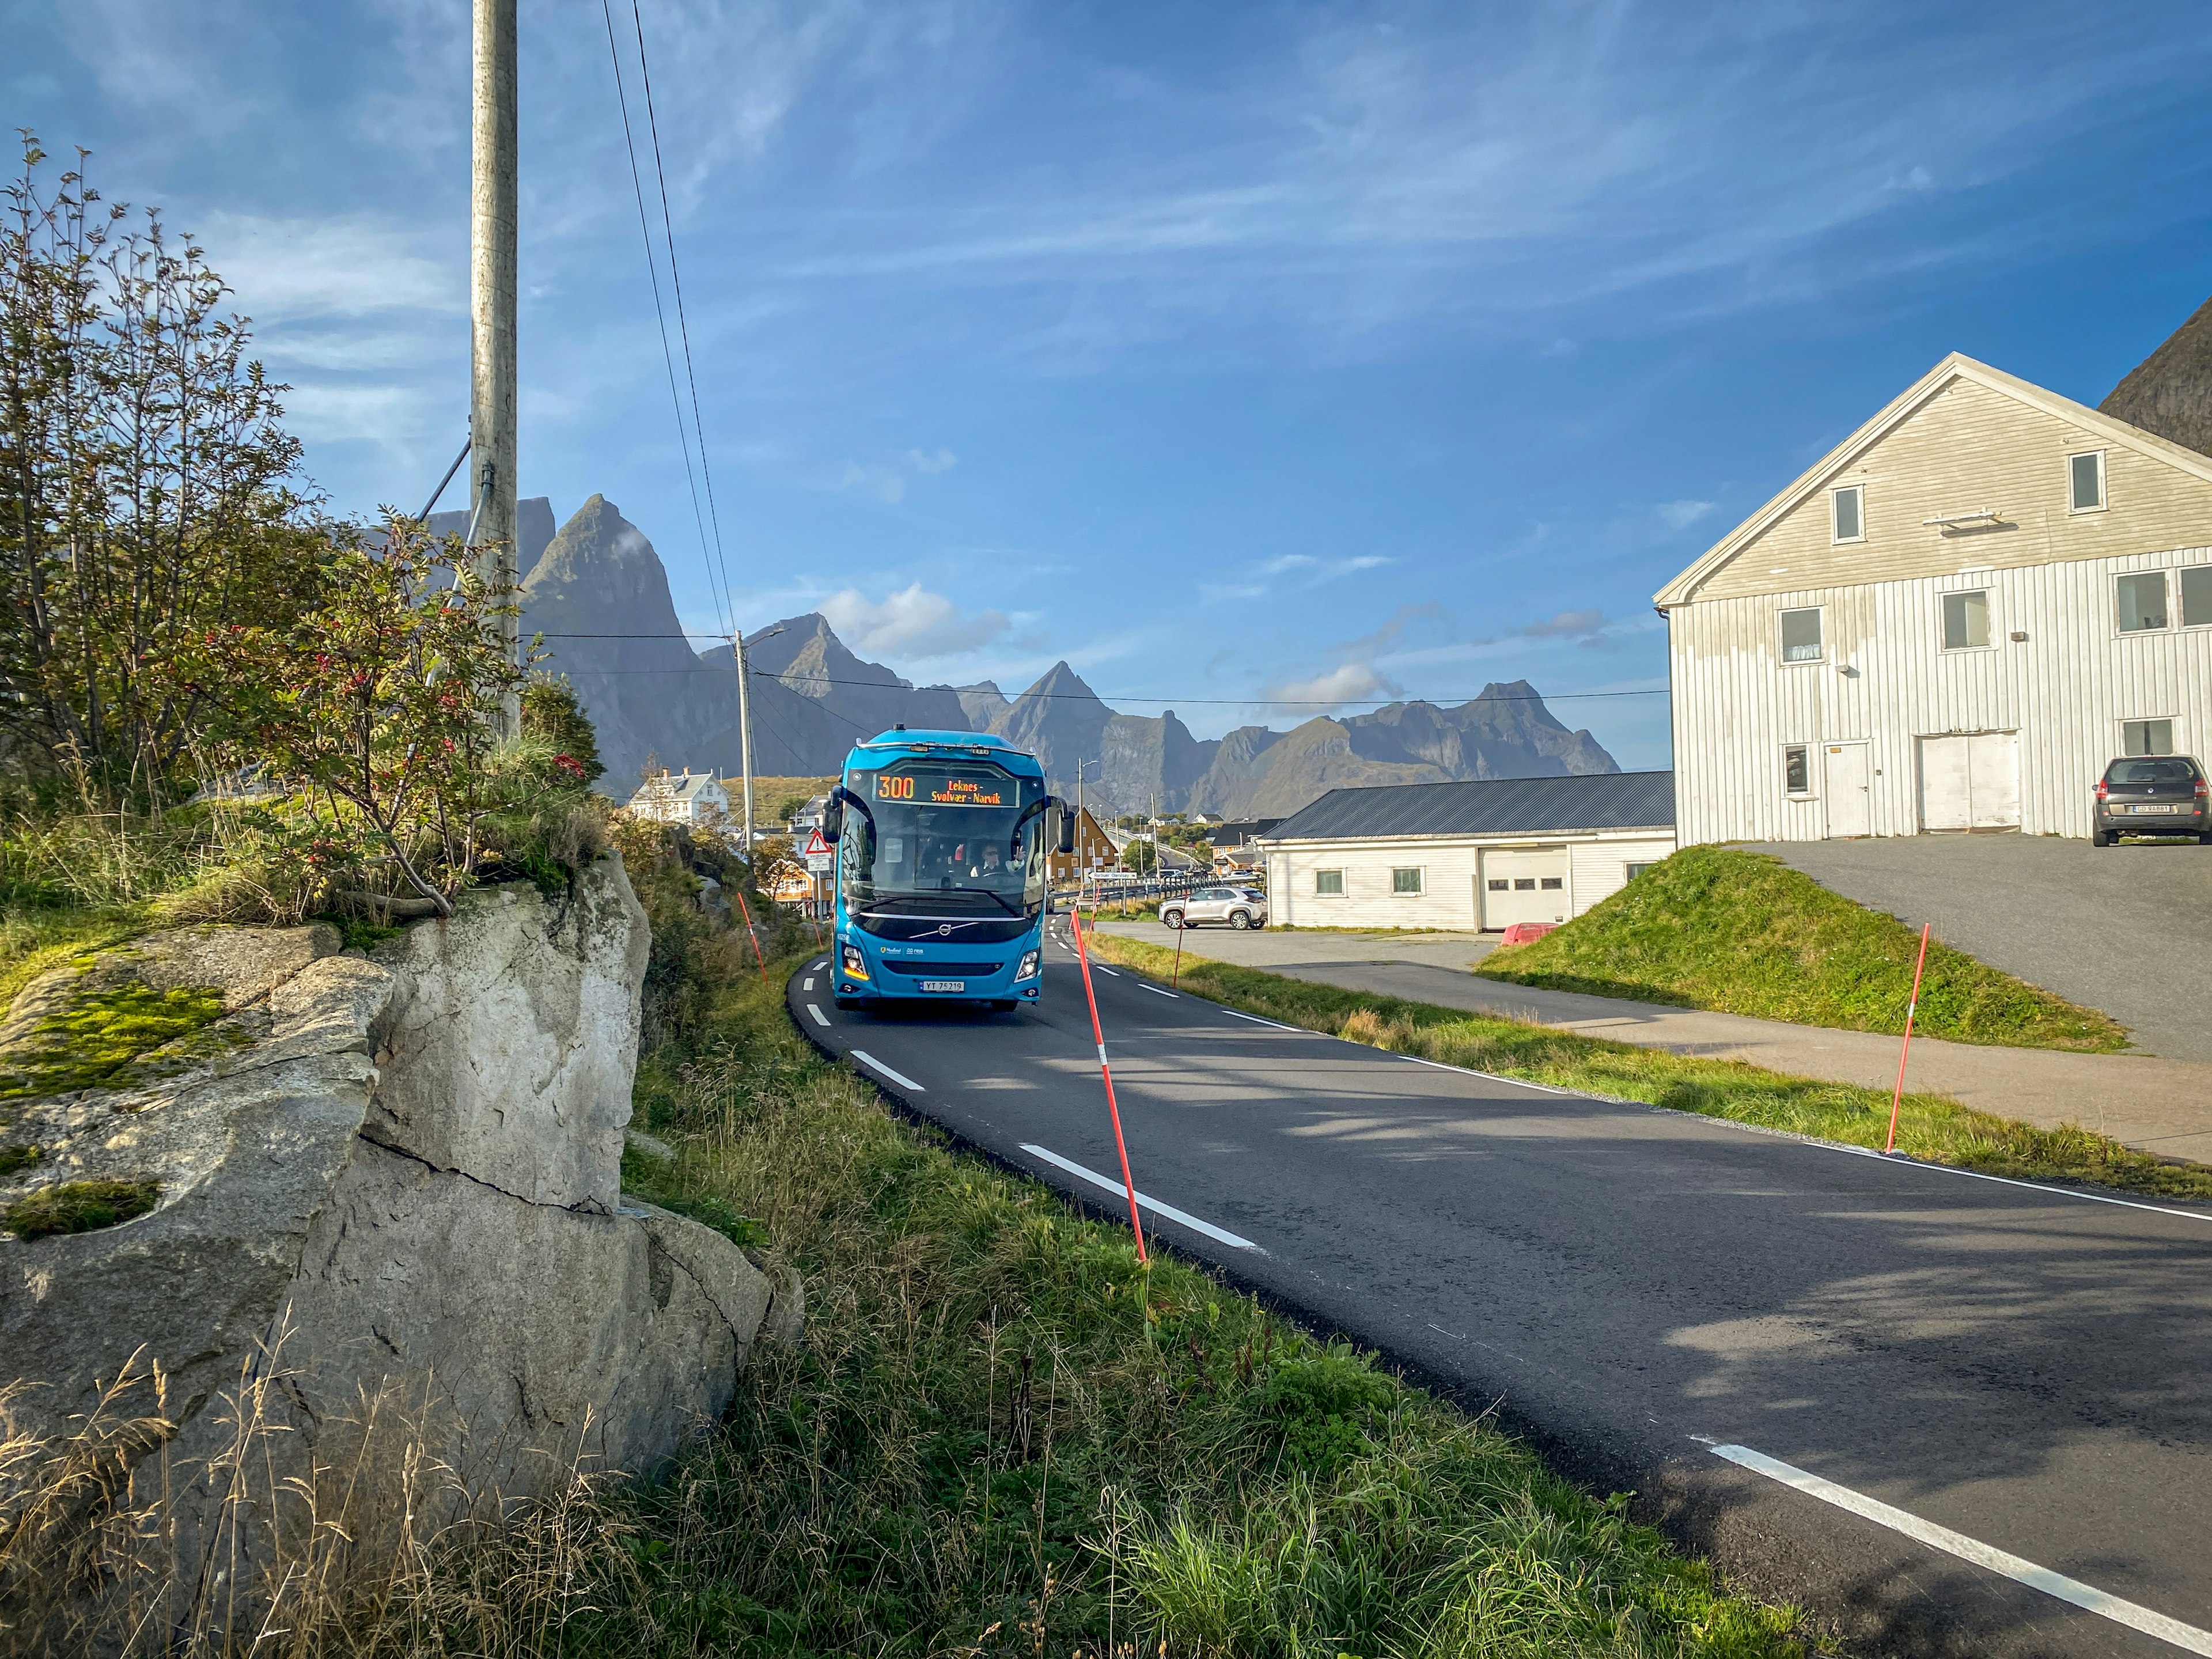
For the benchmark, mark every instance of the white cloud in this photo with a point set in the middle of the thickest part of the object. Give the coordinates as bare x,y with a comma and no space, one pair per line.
1681,515
347,266
1350,681
913,623
887,480
1567,625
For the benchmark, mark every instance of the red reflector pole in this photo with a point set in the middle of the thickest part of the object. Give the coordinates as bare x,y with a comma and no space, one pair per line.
746,911
1912,1008
1128,1185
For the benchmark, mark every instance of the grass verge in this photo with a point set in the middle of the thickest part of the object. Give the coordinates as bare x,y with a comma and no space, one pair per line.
1929,1126
1742,932
1002,1436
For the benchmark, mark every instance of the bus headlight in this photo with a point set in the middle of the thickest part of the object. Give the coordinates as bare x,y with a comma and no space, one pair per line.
856,965
1029,965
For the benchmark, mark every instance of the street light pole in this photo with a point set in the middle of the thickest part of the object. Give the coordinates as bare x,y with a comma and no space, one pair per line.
492,161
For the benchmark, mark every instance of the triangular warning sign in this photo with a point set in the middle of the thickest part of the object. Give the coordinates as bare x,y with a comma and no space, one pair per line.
815,847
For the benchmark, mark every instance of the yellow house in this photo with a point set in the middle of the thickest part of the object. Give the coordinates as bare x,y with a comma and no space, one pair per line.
1952,621
1094,850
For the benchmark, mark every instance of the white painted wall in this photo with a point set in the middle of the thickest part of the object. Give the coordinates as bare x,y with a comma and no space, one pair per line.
1450,867
2065,690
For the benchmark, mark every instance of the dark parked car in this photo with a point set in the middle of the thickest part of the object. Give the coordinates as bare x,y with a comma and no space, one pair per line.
2152,795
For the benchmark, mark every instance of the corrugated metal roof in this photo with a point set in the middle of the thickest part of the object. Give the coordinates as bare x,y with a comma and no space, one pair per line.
1489,806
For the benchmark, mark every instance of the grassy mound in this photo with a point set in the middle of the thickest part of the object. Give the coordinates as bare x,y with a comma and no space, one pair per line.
1929,1126
1743,934
1004,1436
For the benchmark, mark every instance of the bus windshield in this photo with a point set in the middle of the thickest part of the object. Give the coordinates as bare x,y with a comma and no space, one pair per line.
942,842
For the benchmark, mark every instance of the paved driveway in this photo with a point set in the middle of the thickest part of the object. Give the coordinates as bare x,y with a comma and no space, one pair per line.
2127,929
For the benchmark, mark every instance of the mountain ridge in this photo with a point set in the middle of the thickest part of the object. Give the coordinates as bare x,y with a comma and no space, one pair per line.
596,588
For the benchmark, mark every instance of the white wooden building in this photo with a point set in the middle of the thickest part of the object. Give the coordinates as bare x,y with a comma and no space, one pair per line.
686,796
1467,856
1953,622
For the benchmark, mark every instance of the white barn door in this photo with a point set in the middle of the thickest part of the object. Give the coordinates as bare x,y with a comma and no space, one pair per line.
1524,883
1844,781
1970,781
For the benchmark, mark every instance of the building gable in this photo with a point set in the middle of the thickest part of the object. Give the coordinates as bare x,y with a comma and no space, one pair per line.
1965,439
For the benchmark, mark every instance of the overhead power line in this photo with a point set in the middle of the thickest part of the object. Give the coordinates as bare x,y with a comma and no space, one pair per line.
661,314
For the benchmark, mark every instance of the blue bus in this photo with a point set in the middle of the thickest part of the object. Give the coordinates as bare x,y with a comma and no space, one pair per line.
942,842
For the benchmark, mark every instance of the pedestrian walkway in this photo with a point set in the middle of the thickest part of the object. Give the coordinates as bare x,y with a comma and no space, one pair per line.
2160,1106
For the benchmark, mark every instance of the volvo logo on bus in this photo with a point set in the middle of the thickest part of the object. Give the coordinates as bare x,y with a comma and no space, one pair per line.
945,930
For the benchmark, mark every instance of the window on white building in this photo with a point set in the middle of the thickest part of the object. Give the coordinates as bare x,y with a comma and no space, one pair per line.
2147,737
1801,636
1965,621
2195,584
2141,601
1847,514
2085,481
1797,769
1405,881
1328,883
1635,869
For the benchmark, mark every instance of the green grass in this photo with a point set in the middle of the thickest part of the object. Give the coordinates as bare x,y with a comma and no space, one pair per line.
1929,1126
1742,932
79,1207
1004,1436
102,1037
33,939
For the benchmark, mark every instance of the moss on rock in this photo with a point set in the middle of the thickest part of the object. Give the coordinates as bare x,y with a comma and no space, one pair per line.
79,1207
104,1031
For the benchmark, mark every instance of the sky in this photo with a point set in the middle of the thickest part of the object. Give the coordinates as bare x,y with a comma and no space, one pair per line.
1259,359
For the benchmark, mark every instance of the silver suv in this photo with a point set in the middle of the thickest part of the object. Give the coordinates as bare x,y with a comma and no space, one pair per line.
1240,907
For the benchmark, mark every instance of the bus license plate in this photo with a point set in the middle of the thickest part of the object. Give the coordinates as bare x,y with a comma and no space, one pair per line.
944,985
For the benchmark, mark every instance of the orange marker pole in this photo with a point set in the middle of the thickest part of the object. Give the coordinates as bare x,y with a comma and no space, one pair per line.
746,910
1177,980
1128,1185
1912,1008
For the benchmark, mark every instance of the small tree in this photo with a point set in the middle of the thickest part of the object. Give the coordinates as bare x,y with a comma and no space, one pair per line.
380,703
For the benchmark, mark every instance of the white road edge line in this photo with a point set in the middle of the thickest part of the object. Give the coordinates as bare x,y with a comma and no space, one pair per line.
2011,1181
820,1018
2185,1637
1157,991
1144,1201
903,1081
1256,1020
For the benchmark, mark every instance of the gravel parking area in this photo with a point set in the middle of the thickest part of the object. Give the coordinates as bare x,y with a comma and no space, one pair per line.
2127,929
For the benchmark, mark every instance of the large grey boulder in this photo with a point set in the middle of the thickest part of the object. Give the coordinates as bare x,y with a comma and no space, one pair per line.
377,1179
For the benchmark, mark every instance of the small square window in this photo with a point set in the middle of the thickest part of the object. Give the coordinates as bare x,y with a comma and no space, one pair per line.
2196,596
1847,513
1405,881
1500,885
2146,737
1635,869
1553,883
1796,770
1328,883
1801,636
2141,601
1965,621
2085,479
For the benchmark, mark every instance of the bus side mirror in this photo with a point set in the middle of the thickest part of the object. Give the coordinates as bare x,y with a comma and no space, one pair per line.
1066,830
833,821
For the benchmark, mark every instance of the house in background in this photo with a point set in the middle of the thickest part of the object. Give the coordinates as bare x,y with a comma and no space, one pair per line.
1954,621
1466,856
1095,851
686,797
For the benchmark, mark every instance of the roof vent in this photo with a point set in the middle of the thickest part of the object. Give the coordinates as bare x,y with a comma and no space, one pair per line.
898,726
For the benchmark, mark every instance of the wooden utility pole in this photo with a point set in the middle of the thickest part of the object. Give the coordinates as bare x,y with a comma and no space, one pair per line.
492,215
745,733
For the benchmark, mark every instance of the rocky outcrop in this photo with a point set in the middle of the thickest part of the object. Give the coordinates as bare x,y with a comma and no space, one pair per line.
370,1172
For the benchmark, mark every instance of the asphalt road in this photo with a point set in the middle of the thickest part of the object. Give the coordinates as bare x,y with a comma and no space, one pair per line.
1630,1287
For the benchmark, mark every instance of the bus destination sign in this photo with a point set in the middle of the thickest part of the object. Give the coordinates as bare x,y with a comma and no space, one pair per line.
945,788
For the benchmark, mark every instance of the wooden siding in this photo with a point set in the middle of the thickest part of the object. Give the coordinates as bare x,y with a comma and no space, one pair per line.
1449,866
1972,446
2065,690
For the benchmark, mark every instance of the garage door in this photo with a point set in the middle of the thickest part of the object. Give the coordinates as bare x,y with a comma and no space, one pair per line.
1524,883
1970,781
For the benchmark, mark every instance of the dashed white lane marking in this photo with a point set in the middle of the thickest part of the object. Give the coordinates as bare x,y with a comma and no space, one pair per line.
820,1018
1144,1201
820,965
2185,1637
899,1078
1103,969
807,984
1157,991
1256,1020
